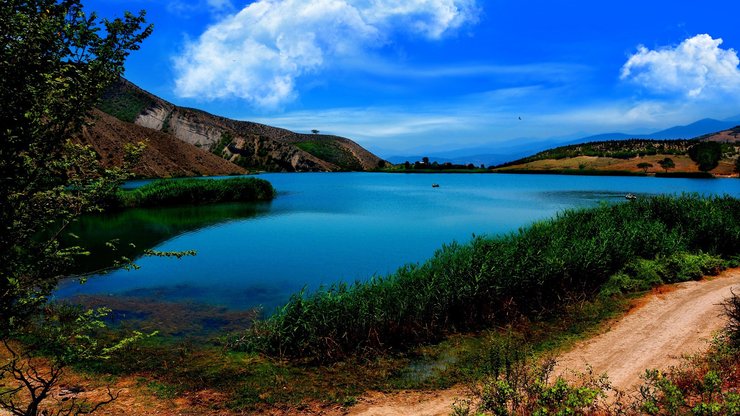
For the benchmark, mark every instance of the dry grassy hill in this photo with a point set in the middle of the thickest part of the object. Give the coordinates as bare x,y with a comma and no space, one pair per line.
625,156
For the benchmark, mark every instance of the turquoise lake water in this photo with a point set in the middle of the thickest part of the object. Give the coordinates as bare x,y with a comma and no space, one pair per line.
328,227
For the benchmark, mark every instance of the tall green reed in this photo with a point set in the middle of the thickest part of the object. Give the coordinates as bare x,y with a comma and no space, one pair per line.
492,280
195,191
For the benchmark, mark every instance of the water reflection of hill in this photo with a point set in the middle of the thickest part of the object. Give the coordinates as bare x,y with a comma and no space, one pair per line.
139,229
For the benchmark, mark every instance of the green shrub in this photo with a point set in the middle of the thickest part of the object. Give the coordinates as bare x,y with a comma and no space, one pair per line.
732,311
331,151
641,274
519,385
649,272
682,267
622,283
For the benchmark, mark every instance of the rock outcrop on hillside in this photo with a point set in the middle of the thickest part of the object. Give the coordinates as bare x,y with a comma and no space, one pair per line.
164,156
247,144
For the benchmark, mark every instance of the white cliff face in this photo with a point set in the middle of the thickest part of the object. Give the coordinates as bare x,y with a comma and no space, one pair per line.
153,117
194,132
170,120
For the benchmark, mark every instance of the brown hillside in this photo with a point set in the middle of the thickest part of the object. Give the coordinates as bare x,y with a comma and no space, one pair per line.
165,156
727,136
247,144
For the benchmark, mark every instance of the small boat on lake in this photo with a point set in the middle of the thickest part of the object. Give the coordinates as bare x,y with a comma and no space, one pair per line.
631,196
435,185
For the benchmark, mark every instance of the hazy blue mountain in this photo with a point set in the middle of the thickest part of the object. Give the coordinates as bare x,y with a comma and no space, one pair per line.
519,148
698,128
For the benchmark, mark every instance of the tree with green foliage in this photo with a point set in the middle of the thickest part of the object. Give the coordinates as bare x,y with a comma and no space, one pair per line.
56,61
644,166
55,64
667,163
314,131
706,155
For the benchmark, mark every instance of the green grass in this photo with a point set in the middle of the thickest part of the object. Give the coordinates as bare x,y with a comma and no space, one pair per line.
226,139
253,381
490,281
163,390
124,104
332,152
196,192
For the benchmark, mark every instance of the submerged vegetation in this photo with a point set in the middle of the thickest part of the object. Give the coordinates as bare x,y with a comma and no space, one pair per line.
142,229
195,192
490,281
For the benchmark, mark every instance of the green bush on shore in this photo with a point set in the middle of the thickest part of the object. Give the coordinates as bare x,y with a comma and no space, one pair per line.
490,280
195,192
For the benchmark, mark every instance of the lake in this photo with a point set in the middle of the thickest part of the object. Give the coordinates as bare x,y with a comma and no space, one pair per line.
328,227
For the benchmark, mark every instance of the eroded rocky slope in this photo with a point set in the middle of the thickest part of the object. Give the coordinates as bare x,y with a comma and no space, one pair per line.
164,156
249,145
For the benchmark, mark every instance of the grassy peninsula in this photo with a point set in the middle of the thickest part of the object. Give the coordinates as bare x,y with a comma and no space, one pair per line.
195,192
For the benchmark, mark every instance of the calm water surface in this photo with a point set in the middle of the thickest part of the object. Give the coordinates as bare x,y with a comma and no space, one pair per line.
329,227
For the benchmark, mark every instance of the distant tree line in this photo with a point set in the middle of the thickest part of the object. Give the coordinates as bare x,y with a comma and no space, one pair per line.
425,164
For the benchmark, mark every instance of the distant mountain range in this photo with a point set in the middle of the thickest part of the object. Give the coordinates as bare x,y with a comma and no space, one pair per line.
521,148
185,142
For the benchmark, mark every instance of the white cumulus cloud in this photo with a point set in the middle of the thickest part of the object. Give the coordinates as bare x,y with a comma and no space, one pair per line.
259,53
697,67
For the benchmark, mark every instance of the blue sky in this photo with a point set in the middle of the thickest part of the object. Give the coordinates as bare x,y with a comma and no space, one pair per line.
403,77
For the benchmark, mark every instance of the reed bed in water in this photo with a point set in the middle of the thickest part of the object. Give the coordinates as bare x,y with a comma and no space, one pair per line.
196,192
579,254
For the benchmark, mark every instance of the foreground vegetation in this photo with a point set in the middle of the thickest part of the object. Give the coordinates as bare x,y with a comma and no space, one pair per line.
555,282
195,192
490,280
516,383
55,62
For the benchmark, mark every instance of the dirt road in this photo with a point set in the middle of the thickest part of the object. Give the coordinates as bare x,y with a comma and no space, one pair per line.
657,334
654,335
